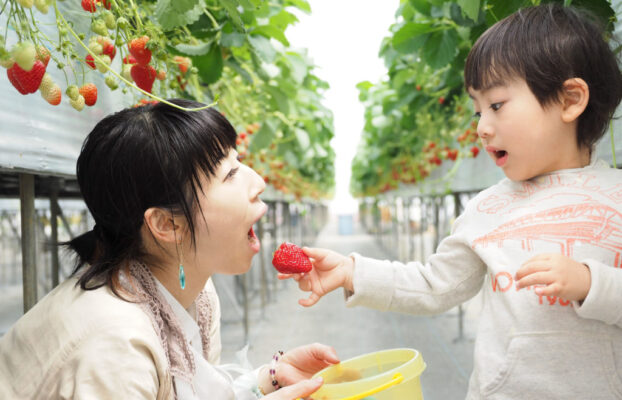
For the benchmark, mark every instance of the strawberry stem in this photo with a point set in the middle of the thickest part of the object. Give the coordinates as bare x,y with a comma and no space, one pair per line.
115,73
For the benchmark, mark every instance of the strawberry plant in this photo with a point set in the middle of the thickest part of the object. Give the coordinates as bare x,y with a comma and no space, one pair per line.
231,54
420,116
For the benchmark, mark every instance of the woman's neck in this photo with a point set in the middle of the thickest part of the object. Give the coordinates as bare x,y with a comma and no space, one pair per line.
169,277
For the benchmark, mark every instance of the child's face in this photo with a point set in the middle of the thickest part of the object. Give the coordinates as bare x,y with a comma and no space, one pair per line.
522,137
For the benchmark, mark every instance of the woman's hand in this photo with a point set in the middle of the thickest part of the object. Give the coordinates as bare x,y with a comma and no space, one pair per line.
295,368
331,270
560,276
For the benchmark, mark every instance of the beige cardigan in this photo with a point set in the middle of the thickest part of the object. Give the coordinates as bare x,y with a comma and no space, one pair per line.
77,344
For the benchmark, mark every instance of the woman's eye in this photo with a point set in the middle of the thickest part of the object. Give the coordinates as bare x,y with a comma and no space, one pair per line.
232,173
496,106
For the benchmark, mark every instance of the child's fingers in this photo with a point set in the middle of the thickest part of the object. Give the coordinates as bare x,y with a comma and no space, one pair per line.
309,301
315,253
536,278
531,267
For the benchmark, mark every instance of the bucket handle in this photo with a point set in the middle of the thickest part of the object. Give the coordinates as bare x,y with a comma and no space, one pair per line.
397,378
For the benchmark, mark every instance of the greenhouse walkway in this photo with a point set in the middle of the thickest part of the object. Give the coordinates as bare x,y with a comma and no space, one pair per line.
355,331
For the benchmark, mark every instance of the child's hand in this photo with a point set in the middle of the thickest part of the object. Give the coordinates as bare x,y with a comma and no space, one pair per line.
331,270
563,276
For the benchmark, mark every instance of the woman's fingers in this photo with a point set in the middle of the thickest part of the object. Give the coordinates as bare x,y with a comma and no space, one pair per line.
298,390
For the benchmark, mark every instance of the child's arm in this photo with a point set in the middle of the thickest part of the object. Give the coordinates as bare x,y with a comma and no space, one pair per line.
562,276
331,270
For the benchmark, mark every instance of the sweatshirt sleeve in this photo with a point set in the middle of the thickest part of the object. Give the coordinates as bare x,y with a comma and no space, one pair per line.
452,275
605,296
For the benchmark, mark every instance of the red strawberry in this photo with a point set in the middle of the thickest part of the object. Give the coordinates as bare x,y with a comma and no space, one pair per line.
109,50
89,92
90,5
90,61
107,4
183,63
26,81
452,154
290,259
441,100
129,59
143,76
475,151
139,50
418,87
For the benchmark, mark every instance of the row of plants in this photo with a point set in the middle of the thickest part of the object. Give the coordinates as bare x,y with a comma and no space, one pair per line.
230,54
420,117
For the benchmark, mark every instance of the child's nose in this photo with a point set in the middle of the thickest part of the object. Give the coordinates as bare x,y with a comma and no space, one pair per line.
484,128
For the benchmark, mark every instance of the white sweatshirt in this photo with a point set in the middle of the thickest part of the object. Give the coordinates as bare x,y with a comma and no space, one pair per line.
528,346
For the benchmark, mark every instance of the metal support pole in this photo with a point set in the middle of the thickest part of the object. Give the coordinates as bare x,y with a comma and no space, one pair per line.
29,249
54,237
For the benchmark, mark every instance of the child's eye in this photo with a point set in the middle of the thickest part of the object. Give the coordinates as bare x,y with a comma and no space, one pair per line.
496,106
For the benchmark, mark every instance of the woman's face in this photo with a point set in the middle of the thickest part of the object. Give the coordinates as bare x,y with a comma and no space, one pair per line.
225,240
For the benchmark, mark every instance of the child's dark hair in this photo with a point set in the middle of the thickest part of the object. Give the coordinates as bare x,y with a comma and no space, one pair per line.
137,158
546,45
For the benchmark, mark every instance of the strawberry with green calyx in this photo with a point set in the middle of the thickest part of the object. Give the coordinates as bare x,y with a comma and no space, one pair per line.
126,72
73,92
90,61
90,5
78,103
24,54
99,26
89,92
161,75
143,76
42,5
109,19
25,3
103,63
184,63
43,55
290,259
112,82
138,49
26,81
52,95
474,151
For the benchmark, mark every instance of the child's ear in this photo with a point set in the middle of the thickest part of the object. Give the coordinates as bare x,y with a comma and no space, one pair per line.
163,225
575,95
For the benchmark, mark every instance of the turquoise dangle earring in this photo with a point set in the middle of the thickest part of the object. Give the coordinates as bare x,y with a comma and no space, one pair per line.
182,275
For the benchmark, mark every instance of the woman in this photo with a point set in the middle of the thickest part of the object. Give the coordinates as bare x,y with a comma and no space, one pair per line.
139,318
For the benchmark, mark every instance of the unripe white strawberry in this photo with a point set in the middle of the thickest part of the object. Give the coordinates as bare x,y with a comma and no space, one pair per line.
25,4
78,104
105,62
46,84
53,95
73,92
42,5
126,72
24,54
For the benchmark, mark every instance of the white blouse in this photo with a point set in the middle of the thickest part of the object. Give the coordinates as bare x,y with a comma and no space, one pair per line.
210,381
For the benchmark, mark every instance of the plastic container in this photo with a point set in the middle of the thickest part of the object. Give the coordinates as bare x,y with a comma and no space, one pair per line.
383,375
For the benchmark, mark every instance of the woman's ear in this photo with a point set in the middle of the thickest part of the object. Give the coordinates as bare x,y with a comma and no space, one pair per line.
575,95
163,225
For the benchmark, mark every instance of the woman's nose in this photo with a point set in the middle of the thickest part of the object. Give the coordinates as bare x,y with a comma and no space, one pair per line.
259,185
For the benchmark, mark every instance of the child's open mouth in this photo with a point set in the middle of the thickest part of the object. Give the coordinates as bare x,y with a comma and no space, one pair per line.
500,156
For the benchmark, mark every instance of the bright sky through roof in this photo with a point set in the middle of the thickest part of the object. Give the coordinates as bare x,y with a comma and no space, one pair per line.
343,38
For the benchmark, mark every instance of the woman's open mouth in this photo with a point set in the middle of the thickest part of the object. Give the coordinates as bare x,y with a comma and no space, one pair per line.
253,240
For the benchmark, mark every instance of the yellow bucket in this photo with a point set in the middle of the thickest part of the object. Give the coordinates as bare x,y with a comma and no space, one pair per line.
383,375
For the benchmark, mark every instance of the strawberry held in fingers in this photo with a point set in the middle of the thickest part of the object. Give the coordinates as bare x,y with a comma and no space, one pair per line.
290,259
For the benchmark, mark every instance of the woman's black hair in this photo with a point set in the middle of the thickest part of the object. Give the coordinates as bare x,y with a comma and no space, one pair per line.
546,45
149,156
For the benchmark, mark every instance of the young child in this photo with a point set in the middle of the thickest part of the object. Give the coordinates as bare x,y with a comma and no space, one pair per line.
544,246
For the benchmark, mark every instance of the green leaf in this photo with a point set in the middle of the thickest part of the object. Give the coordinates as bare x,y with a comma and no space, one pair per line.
423,6
441,48
298,68
193,49
209,65
300,4
500,9
234,39
235,65
365,85
279,100
171,14
283,19
232,9
262,47
303,138
411,36
470,8
601,8
270,31
264,136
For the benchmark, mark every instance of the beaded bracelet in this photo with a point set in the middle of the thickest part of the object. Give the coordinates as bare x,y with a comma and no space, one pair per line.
275,359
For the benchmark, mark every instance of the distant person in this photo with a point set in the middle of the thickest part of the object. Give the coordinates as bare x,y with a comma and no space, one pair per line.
544,246
139,318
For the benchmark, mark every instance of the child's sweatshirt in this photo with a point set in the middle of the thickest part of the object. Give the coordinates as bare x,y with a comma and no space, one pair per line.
528,346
